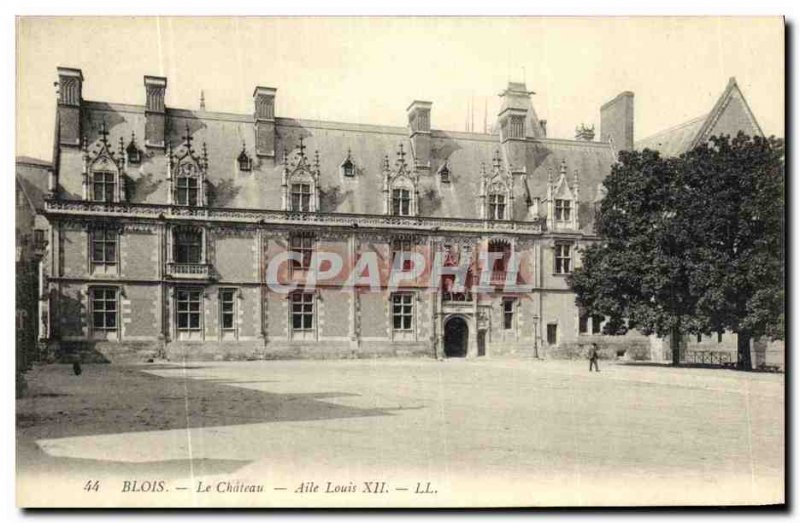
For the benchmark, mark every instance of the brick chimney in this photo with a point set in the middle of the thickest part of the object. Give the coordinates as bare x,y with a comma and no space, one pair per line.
264,101
419,125
70,96
155,111
616,122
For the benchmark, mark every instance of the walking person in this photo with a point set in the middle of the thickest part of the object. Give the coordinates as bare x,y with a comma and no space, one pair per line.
593,357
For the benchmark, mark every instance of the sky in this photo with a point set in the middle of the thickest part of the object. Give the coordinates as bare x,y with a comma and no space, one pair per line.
367,70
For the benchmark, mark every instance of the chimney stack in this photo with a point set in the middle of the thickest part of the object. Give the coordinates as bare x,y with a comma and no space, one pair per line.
584,133
419,124
70,97
155,111
616,122
513,117
264,101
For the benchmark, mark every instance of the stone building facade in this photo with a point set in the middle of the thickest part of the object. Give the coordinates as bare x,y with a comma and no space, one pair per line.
30,229
164,221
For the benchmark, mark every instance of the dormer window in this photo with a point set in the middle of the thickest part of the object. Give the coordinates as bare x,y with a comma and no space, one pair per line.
187,174
104,186
497,206
188,191
444,173
301,197
244,161
348,168
132,152
563,210
401,202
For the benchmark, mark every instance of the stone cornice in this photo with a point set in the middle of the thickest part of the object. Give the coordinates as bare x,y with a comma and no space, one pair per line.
78,209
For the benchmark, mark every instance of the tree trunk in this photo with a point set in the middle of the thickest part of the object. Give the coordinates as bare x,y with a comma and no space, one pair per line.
675,345
743,350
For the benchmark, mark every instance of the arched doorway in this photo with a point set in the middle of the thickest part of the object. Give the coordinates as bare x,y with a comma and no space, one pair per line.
456,334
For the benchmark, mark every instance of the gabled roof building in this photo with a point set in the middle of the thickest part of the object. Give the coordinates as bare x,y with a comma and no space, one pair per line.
166,225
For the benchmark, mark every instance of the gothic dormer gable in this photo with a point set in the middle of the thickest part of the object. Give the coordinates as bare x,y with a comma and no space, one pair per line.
400,186
186,172
497,190
102,170
300,182
562,199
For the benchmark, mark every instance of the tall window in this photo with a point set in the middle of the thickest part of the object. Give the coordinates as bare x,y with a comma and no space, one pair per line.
104,247
304,246
508,313
104,308
402,247
401,202
103,187
552,333
188,191
497,206
563,258
188,246
39,241
227,309
301,197
402,312
500,253
597,324
302,311
583,323
563,210
188,309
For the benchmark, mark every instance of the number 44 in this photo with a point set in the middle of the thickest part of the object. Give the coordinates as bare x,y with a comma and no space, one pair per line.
92,486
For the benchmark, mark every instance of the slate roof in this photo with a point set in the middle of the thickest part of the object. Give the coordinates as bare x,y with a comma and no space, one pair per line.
32,176
675,140
686,136
225,133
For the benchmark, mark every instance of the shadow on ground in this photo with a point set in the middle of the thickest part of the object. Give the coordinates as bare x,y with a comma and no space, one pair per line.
694,366
110,399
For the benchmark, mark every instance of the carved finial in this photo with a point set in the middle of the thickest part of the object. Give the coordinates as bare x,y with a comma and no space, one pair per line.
202,100
103,132
386,162
187,137
205,155
302,148
316,159
483,168
550,175
401,156
563,168
285,158
575,182
85,145
121,147
496,160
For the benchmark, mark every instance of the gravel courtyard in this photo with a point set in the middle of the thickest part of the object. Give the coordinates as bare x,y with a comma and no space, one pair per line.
484,432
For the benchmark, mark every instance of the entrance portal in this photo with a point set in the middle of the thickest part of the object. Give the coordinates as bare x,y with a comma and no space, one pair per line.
456,334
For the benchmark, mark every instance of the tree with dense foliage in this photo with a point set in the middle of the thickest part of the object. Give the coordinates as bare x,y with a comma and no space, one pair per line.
690,244
738,217
638,275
